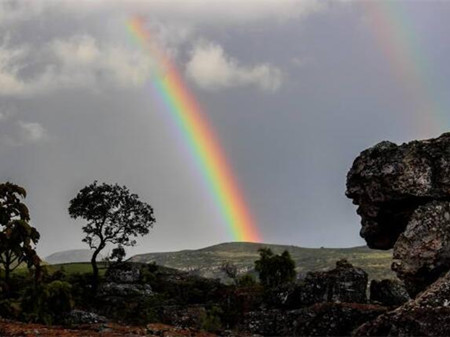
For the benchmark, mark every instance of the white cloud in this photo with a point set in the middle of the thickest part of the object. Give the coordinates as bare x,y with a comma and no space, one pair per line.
211,69
77,62
30,132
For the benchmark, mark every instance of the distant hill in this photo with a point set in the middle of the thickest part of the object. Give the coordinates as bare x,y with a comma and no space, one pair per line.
70,256
207,261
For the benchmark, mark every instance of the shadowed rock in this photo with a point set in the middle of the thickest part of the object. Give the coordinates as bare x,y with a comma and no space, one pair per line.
388,292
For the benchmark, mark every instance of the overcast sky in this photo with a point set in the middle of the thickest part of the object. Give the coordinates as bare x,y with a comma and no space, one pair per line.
295,90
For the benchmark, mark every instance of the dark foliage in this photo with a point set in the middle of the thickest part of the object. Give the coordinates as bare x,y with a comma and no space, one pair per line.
17,236
274,270
47,303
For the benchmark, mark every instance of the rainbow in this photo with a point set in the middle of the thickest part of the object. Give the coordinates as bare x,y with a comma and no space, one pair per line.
199,136
394,31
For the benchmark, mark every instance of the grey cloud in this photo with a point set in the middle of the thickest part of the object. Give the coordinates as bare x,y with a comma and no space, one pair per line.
77,62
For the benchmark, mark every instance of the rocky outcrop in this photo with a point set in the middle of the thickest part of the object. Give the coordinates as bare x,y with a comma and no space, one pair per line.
403,194
426,315
388,293
121,281
345,283
323,319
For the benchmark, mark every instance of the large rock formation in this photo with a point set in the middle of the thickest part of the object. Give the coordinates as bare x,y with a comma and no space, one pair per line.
390,182
403,194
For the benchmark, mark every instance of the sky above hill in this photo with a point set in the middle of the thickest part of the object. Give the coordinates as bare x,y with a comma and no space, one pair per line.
294,89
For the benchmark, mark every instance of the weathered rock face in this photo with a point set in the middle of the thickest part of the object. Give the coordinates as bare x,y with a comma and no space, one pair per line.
345,283
390,182
427,315
388,292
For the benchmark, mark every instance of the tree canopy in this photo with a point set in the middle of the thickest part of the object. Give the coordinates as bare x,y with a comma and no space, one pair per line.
113,215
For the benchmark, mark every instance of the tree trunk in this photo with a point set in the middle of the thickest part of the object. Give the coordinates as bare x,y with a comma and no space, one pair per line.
7,276
95,269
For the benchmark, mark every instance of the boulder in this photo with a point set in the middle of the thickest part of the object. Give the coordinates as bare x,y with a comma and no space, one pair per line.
389,182
345,283
388,292
426,315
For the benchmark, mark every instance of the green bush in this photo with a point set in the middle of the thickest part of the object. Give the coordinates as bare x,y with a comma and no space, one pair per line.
47,303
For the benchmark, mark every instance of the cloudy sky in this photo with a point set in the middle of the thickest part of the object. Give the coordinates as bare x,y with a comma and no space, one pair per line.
295,89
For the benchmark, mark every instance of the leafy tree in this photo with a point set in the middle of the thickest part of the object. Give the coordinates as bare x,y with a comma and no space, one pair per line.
113,214
17,236
274,270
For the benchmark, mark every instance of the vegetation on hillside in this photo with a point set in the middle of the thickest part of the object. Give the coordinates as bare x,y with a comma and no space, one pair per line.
208,262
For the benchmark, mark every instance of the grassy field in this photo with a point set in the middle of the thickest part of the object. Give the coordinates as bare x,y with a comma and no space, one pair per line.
69,268
207,261
77,267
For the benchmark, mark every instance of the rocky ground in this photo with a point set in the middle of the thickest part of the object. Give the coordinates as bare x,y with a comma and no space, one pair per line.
14,328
